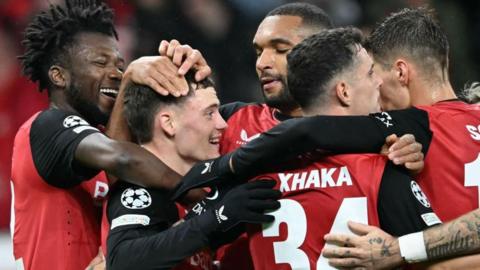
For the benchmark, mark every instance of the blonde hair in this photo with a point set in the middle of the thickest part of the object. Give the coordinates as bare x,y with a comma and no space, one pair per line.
471,93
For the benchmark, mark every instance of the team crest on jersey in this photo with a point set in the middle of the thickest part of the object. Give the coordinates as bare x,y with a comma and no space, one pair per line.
418,193
136,198
73,121
245,138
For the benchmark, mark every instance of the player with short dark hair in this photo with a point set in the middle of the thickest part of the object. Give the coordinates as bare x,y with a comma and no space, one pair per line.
145,233
313,91
72,52
446,127
281,30
362,187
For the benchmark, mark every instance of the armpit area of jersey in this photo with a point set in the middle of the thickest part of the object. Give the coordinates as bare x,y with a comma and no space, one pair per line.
54,137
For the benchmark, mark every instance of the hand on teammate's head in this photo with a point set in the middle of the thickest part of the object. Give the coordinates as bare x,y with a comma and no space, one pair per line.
185,58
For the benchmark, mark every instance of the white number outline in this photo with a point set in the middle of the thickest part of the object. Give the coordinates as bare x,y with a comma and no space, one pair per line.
292,213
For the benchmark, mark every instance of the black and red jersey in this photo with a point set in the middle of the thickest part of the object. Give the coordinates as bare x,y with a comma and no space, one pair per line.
55,217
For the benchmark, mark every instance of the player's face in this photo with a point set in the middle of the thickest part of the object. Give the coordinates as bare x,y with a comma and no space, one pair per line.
365,84
95,75
199,126
392,95
274,39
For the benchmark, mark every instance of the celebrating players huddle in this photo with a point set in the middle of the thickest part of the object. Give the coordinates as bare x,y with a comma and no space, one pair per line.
359,153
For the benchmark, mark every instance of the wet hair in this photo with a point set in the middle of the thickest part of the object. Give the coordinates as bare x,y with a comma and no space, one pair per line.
315,61
142,103
312,16
412,33
51,34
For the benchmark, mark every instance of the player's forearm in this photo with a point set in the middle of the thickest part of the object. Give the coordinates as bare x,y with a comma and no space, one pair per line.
458,237
163,250
298,136
117,125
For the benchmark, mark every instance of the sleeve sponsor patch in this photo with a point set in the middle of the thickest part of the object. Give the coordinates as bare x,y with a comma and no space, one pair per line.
130,219
431,219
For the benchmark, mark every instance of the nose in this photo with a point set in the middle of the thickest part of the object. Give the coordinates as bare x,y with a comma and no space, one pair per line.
115,74
265,60
220,123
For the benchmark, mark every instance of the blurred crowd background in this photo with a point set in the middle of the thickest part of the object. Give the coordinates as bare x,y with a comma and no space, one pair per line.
222,30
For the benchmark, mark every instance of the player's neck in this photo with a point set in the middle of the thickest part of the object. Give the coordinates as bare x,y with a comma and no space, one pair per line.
326,110
58,100
167,153
293,112
429,93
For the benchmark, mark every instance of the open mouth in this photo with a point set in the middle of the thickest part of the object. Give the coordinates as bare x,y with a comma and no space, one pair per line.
214,141
110,92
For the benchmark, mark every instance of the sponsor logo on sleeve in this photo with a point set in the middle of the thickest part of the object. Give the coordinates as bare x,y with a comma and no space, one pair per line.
130,220
431,219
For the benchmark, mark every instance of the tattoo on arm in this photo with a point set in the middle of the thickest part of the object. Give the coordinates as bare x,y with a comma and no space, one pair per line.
460,236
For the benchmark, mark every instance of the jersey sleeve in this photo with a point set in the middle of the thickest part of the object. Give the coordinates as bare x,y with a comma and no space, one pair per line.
330,134
402,206
142,230
54,137
227,110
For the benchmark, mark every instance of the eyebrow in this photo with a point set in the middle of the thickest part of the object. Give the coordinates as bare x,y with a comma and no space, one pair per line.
274,42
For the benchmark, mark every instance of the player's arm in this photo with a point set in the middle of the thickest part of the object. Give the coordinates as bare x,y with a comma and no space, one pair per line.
129,248
327,134
375,249
332,134
402,206
70,151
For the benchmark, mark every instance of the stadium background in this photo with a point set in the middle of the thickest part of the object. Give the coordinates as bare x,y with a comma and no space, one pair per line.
222,30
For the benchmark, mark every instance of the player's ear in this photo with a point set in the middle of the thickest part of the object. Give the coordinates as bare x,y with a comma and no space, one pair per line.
58,76
342,91
165,121
402,71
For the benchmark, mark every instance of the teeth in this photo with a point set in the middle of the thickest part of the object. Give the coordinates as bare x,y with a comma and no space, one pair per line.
109,91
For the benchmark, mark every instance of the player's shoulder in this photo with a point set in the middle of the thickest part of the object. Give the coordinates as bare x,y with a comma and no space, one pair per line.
137,197
451,107
239,109
60,117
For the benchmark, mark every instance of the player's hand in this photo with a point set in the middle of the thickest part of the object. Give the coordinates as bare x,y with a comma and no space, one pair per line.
216,194
247,203
98,263
370,248
404,151
207,173
159,73
186,58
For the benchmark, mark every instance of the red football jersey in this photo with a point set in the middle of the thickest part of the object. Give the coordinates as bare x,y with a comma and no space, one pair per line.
244,125
318,198
53,228
451,177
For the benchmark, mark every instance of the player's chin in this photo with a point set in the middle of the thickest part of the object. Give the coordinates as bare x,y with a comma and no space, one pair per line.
213,151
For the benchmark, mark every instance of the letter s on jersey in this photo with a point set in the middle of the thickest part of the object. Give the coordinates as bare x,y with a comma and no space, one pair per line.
474,131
